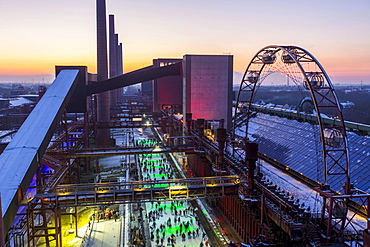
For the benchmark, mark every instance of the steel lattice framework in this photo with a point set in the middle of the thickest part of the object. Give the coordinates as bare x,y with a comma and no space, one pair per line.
292,61
307,73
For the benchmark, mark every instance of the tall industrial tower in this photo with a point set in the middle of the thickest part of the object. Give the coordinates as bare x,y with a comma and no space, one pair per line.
106,100
103,106
115,60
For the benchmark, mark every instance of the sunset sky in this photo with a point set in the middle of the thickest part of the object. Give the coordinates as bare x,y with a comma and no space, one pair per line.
36,35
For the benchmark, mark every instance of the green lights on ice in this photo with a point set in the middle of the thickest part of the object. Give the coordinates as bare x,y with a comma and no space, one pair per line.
160,185
155,166
157,175
172,229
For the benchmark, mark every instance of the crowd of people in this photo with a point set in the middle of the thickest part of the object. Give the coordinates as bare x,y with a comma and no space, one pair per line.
175,224
171,223
105,213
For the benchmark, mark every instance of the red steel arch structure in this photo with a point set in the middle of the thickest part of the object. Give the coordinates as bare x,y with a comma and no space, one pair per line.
307,73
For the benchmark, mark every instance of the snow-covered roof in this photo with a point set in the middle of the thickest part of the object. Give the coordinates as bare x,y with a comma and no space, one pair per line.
7,138
19,101
297,145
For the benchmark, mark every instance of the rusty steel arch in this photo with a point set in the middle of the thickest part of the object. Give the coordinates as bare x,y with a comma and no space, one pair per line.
305,71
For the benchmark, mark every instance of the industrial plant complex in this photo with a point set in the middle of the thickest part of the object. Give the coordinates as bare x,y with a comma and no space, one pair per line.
170,155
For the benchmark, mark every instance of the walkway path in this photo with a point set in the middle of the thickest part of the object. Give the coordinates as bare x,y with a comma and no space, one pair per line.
105,233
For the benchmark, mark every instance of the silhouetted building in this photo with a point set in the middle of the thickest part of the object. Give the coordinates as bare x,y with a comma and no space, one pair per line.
4,103
17,91
147,88
167,91
208,86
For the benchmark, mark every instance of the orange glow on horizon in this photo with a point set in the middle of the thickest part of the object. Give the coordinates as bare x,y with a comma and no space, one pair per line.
36,36
23,68
39,67
45,65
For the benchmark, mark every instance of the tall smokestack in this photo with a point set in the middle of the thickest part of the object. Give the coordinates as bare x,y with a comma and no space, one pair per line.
119,59
119,66
103,111
113,42
101,24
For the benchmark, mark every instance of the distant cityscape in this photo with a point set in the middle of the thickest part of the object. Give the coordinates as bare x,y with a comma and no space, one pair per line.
353,99
18,99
